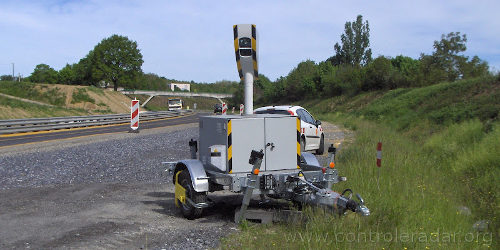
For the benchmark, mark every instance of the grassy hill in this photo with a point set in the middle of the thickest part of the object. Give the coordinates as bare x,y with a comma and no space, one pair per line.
441,104
439,183
59,100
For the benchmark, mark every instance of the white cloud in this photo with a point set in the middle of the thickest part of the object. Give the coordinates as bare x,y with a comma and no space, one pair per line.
192,40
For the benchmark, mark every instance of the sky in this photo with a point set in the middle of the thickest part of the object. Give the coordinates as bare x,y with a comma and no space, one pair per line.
193,40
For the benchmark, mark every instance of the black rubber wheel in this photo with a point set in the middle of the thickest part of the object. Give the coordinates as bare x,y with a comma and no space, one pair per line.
298,205
321,148
302,144
188,211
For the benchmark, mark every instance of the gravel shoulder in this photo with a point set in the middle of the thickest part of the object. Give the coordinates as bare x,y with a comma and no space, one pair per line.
107,191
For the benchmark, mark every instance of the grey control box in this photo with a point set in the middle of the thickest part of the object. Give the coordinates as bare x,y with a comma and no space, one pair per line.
227,140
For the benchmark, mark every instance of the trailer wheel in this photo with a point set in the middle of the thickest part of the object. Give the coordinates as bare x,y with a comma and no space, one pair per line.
298,205
321,148
188,211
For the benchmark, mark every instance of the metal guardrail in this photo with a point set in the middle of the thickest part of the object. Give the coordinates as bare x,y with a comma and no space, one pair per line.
53,123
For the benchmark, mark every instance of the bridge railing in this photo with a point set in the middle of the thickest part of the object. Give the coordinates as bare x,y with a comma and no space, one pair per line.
54,123
181,94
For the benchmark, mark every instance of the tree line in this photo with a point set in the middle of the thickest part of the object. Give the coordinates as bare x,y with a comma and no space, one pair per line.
115,61
353,70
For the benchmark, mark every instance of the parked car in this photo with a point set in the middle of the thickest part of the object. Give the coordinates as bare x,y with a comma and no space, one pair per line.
311,134
218,108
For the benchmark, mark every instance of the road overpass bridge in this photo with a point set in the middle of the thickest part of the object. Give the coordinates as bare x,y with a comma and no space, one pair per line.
170,93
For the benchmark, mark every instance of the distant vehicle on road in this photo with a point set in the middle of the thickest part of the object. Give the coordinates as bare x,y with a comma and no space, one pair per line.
174,104
311,132
218,108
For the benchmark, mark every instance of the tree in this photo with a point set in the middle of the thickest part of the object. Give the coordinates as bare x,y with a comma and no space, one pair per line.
262,88
116,60
43,73
446,64
446,53
326,71
153,82
355,44
380,74
83,70
409,69
6,78
473,68
301,81
66,75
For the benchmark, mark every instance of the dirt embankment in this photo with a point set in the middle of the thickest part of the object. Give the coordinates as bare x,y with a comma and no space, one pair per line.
99,101
52,100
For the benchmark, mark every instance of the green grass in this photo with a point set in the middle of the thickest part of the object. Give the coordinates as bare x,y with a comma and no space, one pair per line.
439,105
442,104
96,90
104,111
80,95
29,91
38,111
441,149
415,196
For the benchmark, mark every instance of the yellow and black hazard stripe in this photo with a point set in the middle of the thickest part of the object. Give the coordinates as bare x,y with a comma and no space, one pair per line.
254,52
236,50
298,142
229,147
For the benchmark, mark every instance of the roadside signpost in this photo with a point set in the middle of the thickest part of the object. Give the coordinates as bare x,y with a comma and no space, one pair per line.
379,161
379,154
134,116
224,108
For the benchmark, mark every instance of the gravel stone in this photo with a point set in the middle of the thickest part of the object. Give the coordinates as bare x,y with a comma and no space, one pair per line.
133,158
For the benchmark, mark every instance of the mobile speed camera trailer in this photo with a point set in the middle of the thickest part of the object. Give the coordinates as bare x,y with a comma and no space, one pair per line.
255,154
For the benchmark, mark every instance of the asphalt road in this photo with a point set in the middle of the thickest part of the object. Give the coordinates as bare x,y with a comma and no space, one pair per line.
24,138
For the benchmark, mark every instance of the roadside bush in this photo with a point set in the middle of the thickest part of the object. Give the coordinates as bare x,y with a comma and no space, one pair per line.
80,95
54,96
349,80
43,73
380,74
6,78
300,82
409,70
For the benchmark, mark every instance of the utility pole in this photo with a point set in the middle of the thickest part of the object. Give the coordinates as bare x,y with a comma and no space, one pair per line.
12,71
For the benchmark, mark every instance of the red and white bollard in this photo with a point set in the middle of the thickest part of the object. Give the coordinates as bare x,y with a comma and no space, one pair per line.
134,115
224,108
241,108
379,154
